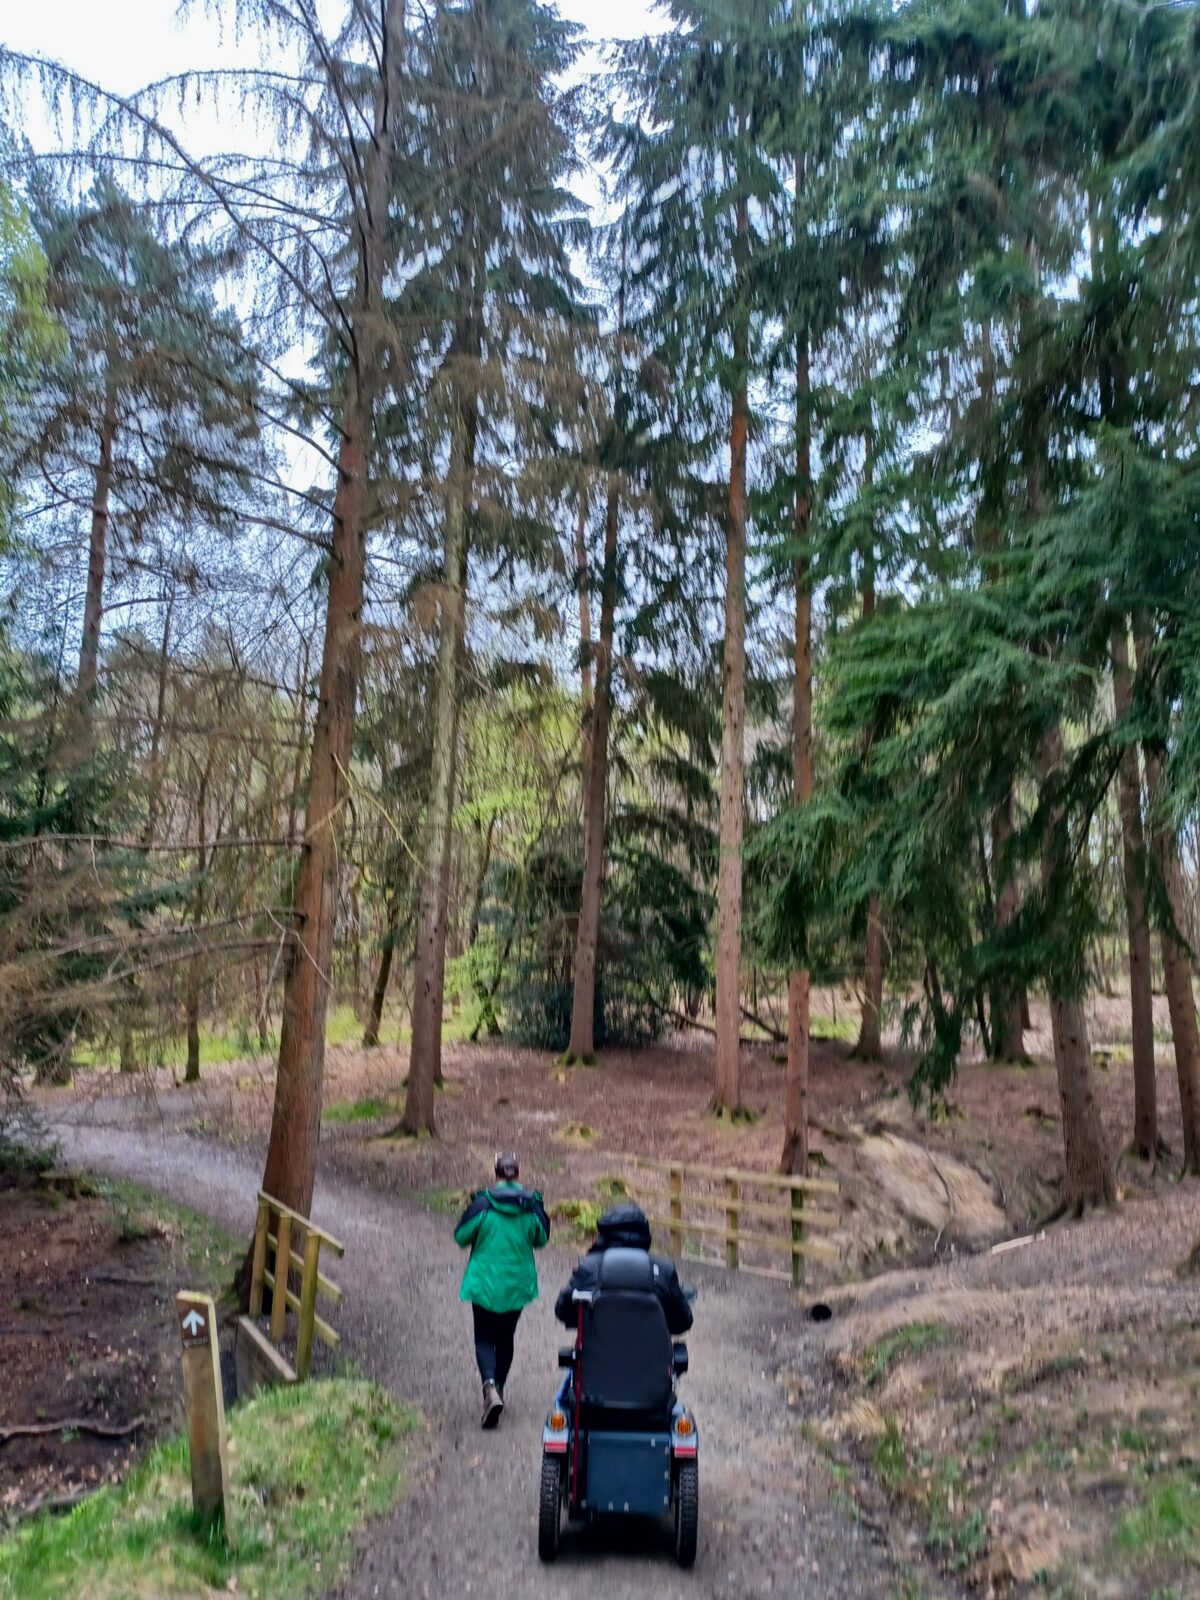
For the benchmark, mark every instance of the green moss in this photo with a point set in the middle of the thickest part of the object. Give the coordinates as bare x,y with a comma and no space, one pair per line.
1167,1522
369,1109
911,1340
308,1465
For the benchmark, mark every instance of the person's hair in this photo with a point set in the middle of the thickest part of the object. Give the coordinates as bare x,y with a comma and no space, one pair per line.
507,1165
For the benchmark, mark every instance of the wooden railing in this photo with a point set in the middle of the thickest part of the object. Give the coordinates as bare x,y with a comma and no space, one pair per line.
726,1192
273,1248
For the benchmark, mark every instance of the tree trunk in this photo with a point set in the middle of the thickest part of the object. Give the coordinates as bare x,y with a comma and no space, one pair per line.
260,1007
1008,1031
192,1000
795,1112
291,1164
1133,845
869,1046
160,711
379,993
1089,1175
870,1037
585,628
425,1056
93,605
583,1006
727,1095
1177,966
301,739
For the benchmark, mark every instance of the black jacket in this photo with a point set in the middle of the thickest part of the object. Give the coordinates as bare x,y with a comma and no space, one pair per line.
625,1227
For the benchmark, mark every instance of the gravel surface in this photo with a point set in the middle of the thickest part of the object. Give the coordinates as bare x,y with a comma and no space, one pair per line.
771,1520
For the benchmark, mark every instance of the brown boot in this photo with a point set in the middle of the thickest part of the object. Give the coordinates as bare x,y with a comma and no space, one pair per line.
493,1405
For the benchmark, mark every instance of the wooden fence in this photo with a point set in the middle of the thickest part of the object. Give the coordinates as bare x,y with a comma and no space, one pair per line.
725,1191
272,1248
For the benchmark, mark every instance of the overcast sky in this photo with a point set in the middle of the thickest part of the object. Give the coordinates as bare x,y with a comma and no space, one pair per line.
123,44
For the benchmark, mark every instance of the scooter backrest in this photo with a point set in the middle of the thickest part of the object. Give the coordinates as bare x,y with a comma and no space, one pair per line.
627,1350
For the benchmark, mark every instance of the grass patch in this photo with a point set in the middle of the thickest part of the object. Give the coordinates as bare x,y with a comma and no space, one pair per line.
578,1133
308,1465
208,1253
911,1340
579,1216
844,1028
445,1202
369,1109
1166,1523
890,1456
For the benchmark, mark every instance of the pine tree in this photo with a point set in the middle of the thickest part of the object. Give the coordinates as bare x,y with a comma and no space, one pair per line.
495,292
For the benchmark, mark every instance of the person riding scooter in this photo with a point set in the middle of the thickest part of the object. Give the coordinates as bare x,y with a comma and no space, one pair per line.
625,1227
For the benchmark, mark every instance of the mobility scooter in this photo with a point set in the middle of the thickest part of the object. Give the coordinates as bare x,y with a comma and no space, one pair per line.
617,1439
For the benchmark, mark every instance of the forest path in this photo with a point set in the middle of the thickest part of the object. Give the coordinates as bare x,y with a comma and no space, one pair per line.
771,1519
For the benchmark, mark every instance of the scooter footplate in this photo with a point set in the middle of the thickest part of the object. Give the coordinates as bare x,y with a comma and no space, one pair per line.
628,1472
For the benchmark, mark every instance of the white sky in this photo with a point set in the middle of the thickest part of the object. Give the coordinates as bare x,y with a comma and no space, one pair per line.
124,44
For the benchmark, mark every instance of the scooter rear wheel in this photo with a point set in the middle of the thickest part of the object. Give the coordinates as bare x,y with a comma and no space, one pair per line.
550,1508
687,1512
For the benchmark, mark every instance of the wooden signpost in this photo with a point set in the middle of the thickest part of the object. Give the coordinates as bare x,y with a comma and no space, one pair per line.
205,1406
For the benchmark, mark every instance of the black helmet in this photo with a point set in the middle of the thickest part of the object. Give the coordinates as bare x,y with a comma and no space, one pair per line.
507,1166
624,1226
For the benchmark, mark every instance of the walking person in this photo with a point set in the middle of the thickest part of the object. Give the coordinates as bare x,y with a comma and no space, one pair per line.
502,1226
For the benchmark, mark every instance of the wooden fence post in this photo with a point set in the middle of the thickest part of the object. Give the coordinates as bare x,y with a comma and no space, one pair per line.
797,1237
308,1304
676,1212
205,1408
259,1265
283,1253
732,1212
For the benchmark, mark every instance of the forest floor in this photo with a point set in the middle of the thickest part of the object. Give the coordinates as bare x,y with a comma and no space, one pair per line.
973,1422
87,1347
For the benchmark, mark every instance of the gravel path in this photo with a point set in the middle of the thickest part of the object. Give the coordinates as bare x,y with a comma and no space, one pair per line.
771,1523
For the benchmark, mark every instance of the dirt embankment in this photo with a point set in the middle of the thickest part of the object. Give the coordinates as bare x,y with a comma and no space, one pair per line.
88,1349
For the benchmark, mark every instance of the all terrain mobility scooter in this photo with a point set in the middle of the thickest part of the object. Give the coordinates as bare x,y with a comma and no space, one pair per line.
618,1439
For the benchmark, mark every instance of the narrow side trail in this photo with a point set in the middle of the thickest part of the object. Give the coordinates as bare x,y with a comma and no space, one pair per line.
770,1523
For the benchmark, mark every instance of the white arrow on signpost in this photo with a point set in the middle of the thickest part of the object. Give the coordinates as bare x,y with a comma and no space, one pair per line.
193,1323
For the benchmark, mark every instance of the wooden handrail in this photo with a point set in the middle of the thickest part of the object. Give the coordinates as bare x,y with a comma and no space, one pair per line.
764,1241
789,1209
274,1275
309,1227
718,1201
765,1180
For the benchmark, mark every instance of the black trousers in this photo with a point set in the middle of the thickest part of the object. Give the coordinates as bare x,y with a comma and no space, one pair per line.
494,1332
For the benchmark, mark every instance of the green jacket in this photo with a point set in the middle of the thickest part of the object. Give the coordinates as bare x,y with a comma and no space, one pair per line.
503,1226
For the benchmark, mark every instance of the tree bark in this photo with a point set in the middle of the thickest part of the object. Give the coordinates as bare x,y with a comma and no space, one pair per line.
301,731
296,1116
795,1112
583,1006
727,1095
585,625
93,604
379,993
192,996
160,711
870,1035
1133,847
1089,1174
1008,1032
425,1056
